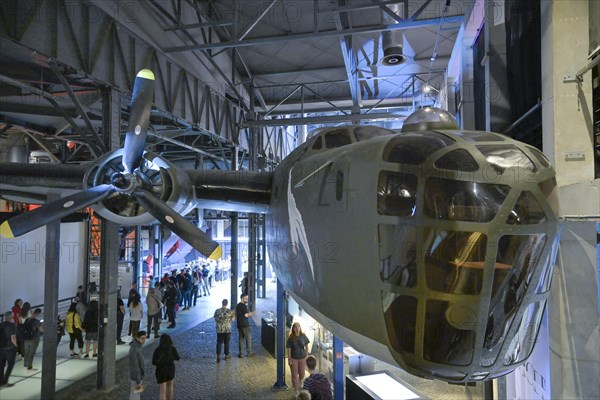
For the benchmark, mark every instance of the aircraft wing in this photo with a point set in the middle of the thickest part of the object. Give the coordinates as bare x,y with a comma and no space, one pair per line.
31,183
240,191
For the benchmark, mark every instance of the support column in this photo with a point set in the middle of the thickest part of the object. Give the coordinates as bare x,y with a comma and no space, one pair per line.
280,338
252,270
158,258
235,265
568,143
50,307
566,104
338,368
261,259
137,268
109,279
109,257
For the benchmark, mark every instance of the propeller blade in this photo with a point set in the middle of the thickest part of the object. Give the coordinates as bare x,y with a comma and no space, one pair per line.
179,225
54,210
139,119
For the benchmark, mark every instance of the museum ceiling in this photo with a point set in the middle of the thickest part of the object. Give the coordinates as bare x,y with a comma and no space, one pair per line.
278,62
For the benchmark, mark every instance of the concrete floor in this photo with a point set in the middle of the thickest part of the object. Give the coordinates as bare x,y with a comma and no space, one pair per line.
198,376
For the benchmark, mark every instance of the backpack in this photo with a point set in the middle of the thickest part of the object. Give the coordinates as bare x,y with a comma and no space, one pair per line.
205,272
29,329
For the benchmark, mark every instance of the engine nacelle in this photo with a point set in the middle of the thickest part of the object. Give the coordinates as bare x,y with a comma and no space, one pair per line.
156,175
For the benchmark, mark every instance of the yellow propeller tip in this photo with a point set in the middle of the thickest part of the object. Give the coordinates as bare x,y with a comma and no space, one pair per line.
217,253
146,74
6,232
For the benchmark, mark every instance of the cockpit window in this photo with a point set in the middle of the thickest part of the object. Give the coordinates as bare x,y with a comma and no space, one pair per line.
527,211
503,157
517,257
396,194
457,160
463,201
368,132
398,254
318,143
454,261
540,156
415,148
478,136
337,138
522,343
449,337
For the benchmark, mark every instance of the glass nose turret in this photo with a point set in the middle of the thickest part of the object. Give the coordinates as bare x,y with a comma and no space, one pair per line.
467,239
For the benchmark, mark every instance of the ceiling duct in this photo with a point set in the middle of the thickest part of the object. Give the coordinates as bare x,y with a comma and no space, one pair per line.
392,41
392,47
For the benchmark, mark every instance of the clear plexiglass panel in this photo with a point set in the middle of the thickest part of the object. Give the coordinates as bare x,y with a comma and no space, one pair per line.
524,340
527,211
396,194
443,342
337,138
454,261
502,157
414,148
478,136
463,201
398,254
516,260
367,132
400,313
457,160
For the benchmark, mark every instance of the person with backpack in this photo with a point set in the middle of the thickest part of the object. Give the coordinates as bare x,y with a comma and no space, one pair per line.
73,327
31,337
317,383
8,348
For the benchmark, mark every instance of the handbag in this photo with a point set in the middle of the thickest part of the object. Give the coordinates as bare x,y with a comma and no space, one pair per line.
138,388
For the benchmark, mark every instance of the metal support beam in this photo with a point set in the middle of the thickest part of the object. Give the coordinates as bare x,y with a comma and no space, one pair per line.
154,133
77,104
350,63
42,145
257,20
352,118
89,140
456,19
198,25
51,284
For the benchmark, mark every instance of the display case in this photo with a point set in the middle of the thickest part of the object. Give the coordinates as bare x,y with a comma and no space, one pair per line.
268,335
379,385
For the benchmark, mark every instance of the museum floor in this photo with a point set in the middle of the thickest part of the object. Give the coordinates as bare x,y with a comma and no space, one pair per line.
198,376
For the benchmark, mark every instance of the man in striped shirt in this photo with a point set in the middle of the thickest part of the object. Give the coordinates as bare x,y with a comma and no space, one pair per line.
317,383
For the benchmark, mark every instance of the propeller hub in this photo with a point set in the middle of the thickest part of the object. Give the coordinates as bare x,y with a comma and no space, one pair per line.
124,182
